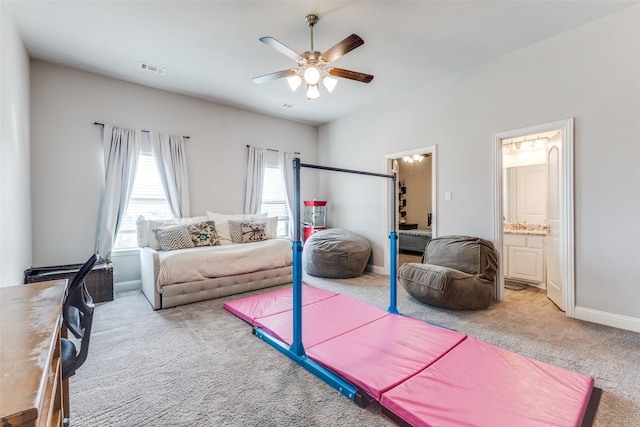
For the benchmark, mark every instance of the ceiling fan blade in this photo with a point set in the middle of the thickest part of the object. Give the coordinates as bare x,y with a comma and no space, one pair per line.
270,41
274,76
348,74
341,48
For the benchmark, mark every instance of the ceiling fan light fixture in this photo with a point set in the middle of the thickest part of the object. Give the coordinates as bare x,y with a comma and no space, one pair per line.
294,82
312,64
311,75
312,92
329,83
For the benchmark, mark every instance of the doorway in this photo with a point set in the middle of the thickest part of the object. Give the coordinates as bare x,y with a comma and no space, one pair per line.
559,241
425,215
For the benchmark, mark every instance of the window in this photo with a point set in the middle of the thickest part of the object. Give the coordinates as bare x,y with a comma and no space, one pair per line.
274,201
147,199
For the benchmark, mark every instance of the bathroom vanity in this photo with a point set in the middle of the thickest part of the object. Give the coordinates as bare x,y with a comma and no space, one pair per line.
524,256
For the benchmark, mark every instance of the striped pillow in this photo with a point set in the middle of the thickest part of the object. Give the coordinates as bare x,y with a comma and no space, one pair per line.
172,238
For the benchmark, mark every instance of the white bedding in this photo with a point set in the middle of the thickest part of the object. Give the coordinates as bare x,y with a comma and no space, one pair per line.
194,264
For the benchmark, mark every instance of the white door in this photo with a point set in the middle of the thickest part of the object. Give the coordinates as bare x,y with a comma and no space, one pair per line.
555,287
531,194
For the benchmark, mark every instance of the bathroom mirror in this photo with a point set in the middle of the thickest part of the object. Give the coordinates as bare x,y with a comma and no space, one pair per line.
525,194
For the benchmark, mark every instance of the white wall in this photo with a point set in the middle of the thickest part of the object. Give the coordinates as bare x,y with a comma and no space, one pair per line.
590,73
15,184
66,151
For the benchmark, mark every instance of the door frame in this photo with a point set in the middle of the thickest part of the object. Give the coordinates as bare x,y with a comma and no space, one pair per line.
567,245
391,193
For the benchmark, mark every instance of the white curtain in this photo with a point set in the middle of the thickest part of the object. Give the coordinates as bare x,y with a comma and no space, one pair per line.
256,162
286,168
122,148
169,154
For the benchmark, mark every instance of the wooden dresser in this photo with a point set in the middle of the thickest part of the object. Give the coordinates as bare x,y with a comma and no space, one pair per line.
31,388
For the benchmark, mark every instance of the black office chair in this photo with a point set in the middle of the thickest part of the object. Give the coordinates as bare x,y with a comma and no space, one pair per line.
77,316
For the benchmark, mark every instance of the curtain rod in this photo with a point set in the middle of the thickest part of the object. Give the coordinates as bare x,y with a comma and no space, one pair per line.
273,149
142,130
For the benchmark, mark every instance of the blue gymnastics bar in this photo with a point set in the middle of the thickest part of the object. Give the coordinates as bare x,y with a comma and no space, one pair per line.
296,351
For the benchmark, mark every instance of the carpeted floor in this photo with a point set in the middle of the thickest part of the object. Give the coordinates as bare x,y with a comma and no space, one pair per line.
198,365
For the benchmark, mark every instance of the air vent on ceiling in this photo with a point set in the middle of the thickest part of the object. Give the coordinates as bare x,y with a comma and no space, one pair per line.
152,68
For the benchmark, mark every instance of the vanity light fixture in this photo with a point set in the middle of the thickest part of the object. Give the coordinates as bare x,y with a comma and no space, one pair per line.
525,144
414,158
541,143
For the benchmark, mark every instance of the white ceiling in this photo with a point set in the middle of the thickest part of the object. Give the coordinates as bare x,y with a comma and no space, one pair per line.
211,49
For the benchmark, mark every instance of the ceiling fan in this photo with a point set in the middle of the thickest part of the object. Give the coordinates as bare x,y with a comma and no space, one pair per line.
313,66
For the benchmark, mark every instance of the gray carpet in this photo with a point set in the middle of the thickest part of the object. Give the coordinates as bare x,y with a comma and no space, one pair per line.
198,365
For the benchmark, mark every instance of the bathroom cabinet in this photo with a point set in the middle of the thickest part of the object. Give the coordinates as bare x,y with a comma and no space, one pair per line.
525,258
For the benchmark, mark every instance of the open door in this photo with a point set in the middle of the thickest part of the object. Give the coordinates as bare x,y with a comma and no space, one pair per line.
555,287
430,151
560,259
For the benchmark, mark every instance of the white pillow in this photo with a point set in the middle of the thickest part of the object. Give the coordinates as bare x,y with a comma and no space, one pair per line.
145,231
193,220
272,226
222,224
142,231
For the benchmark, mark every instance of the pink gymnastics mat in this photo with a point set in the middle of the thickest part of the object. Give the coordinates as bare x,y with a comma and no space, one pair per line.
422,375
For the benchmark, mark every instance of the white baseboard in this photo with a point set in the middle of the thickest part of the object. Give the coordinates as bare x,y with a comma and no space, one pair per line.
131,285
608,319
377,270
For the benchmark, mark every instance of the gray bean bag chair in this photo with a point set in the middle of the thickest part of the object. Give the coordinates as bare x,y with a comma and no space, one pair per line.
335,253
457,272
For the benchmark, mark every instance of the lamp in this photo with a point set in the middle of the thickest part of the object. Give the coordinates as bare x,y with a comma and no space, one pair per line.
525,144
414,158
294,82
329,83
311,75
541,142
312,91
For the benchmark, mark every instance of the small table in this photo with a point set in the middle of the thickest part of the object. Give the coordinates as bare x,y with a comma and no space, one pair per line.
407,226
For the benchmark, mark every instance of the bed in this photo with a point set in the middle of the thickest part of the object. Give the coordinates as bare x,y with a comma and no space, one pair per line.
413,240
177,275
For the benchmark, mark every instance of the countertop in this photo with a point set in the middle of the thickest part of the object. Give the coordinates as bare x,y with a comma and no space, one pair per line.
526,229
527,232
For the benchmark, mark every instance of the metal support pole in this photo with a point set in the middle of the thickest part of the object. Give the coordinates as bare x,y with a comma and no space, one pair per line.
296,346
393,253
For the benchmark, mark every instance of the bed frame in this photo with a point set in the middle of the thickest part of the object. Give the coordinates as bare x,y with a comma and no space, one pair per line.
186,293
413,240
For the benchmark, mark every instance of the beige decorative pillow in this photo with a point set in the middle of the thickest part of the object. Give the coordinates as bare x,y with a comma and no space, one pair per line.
172,238
247,232
203,234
